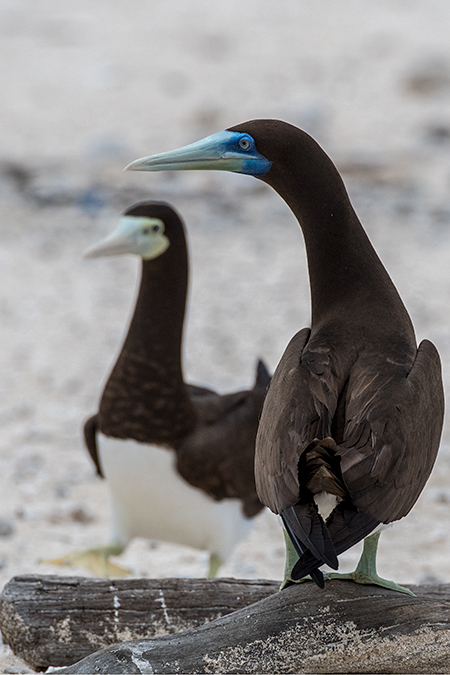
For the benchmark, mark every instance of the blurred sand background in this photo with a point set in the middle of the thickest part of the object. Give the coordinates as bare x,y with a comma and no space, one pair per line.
89,86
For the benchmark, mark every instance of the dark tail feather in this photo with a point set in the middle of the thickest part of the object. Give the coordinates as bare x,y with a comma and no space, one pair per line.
346,526
306,525
316,574
263,377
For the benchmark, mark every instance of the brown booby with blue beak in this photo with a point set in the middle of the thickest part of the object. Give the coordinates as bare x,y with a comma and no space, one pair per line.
352,420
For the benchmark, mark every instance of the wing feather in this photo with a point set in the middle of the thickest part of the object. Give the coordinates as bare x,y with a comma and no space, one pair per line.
386,473
90,439
390,420
218,456
299,407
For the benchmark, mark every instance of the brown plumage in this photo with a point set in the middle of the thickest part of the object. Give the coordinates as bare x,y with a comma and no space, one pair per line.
355,408
146,399
356,376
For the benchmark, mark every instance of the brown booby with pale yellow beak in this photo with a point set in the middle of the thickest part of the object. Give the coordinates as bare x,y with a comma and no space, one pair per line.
178,458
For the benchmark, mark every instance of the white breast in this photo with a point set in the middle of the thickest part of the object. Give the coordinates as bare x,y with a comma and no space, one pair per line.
150,499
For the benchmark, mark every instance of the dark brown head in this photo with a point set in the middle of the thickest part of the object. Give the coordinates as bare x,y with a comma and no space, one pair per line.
278,153
300,171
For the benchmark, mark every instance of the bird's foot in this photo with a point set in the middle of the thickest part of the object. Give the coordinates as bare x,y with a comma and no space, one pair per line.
291,559
360,577
95,560
287,581
366,570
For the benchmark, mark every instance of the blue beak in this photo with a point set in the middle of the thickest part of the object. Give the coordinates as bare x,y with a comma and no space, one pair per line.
219,152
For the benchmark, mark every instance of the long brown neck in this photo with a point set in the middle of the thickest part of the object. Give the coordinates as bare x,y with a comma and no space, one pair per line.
145,397
156,329
348,281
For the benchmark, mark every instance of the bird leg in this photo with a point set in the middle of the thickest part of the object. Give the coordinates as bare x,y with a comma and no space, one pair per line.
215,562
366,570
96,560
291,559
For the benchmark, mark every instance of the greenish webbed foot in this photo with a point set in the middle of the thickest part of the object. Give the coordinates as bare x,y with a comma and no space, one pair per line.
366,570
95,560
373,580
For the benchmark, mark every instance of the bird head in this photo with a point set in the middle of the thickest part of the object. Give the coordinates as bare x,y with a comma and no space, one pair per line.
143,230
233,150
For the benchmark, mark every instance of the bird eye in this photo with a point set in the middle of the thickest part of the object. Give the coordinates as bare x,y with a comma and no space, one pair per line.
244,143
156,228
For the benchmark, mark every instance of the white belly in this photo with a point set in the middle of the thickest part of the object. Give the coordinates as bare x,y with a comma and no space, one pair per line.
149,499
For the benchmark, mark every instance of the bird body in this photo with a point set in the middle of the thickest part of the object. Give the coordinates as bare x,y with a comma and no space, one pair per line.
353,416
150,499
178,458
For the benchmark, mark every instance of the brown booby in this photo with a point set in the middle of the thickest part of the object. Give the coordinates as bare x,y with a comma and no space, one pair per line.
352,420
178,458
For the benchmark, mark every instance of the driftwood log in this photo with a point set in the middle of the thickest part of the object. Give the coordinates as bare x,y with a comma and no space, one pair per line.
346,628
56,621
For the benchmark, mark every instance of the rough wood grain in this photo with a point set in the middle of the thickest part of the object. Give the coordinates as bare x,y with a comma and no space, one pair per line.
344,629
52,620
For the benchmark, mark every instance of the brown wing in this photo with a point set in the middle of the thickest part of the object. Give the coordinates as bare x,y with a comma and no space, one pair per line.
219,456
394,427
299,407
392,436
391,432
90,439
387,440
194,390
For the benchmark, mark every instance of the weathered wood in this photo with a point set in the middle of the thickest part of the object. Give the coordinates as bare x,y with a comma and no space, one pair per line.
347,628
344,629
52,620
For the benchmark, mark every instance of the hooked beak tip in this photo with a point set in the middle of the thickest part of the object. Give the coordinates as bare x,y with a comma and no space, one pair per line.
141,164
